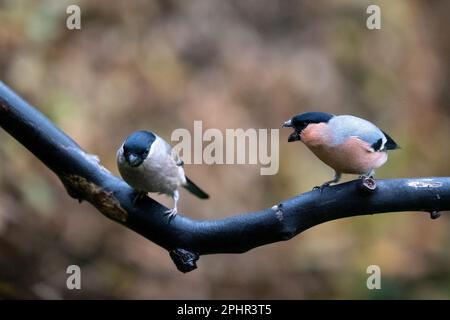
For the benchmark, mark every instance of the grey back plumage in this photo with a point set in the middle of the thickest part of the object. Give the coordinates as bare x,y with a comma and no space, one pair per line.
346,126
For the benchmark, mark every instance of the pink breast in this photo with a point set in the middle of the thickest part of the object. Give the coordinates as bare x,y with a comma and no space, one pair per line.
352,156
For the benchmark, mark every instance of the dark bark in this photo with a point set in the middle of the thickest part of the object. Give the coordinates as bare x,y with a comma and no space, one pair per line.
186,239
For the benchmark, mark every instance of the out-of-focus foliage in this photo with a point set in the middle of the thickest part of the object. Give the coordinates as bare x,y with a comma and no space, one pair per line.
161,65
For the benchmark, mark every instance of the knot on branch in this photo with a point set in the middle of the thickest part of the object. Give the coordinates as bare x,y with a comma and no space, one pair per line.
367,185
287,231
435,214
185,260
278,209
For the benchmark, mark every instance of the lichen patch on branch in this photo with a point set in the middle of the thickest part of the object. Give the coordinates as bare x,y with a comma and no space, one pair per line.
278,211
82,189
425,183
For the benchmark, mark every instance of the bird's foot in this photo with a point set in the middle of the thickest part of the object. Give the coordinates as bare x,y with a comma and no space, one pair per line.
139,195
171,213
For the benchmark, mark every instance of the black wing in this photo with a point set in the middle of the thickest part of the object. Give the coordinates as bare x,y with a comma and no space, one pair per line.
390,143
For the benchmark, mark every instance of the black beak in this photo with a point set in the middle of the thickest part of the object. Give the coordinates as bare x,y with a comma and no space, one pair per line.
295,136
287,124
133,160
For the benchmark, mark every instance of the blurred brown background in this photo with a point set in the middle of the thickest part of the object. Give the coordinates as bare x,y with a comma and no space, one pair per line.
160,65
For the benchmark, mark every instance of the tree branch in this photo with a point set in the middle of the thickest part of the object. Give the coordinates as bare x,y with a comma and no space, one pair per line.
186,239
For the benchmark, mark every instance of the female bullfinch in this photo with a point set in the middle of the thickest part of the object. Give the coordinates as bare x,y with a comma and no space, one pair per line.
148,164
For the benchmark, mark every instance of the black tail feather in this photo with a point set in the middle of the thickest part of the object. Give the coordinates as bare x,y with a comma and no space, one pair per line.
390,143
192,187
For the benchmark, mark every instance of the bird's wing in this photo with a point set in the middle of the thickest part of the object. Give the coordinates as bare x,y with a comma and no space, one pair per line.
344,127
171,152
188,184
119,151
177,159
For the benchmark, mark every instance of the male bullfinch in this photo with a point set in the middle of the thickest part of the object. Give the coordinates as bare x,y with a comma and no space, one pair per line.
346,143
148,164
